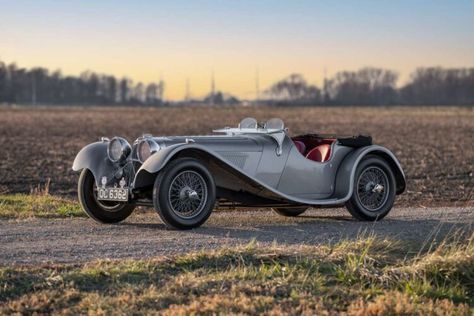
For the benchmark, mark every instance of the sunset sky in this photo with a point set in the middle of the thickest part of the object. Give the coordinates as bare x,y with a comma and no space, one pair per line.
188,39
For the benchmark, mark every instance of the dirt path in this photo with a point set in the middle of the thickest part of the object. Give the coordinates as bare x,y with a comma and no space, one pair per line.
143,235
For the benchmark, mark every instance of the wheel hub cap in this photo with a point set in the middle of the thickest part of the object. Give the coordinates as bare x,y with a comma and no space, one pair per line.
187,194
378,188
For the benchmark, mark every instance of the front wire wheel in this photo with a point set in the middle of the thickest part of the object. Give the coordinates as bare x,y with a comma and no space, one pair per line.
187,194
100,211
184,194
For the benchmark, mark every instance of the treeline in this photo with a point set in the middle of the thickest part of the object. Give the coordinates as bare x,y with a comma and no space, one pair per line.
374,86
40,86
367,86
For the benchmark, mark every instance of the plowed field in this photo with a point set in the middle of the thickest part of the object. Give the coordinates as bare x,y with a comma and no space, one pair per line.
434,145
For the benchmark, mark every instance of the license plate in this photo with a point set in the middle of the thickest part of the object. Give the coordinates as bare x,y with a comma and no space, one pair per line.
112,194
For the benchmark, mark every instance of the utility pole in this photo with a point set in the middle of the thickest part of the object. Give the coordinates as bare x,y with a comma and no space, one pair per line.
213,87
257,86
213,83
162,88
187,95
325,87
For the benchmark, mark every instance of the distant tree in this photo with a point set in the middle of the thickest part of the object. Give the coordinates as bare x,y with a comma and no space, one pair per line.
368,86
161,90
3,81
39,85
55,93
293,90
37,89
112,91
439,86
220,98
125,84
138,94
153,94
231,100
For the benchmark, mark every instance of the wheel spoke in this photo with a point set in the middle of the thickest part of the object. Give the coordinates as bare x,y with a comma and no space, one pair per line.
368,188
188,194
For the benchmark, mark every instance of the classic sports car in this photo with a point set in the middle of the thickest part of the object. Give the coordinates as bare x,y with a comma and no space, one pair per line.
253,165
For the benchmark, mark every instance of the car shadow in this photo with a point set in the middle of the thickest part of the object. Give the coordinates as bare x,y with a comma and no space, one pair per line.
314,229
154,226
335,218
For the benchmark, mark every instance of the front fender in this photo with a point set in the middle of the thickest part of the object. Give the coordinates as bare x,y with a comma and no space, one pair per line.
346,172
94,157
145,175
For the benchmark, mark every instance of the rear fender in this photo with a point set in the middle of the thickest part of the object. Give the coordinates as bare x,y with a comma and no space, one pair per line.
94,158
346,172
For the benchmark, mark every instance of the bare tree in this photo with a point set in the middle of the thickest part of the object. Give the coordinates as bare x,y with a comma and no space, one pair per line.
440,86
368,86
294,89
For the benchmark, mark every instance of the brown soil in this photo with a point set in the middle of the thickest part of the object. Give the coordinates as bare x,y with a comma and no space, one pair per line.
434,145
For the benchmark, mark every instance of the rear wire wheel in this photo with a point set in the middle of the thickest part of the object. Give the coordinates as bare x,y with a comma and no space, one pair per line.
100,211
374,190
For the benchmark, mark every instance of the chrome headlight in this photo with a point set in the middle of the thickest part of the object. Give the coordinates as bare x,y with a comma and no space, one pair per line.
119,149
146,148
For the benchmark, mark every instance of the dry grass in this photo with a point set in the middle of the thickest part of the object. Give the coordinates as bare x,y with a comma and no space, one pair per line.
366,277
434,145
38,205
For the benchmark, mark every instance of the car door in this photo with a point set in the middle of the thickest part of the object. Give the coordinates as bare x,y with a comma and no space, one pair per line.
306,178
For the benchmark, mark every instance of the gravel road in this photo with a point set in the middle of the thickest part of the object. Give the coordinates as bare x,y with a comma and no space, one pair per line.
36,241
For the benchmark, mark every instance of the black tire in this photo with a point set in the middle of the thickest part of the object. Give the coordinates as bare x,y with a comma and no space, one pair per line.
365,203
290,212
102,212
184,194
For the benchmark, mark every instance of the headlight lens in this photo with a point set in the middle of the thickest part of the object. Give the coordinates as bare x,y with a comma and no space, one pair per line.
146,148
118,149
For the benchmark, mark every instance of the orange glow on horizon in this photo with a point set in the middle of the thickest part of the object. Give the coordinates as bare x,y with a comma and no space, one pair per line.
177,41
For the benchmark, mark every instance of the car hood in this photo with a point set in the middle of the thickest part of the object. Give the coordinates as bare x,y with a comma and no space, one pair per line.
216,142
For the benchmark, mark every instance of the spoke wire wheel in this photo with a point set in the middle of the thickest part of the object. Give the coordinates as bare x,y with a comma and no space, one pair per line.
100,211
373,188
184,193
187,194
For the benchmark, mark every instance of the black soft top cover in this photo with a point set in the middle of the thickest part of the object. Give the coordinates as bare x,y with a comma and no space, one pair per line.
355,141
349,141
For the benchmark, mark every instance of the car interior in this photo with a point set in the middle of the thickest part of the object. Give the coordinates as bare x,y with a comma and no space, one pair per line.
313,147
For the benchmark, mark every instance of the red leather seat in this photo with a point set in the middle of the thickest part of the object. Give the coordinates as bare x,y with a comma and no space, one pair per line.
300,146
320,153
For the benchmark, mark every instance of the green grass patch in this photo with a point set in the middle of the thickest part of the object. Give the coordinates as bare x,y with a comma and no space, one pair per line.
25,206
366,277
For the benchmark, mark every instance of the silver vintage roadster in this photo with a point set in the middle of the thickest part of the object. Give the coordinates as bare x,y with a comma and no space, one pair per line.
253,165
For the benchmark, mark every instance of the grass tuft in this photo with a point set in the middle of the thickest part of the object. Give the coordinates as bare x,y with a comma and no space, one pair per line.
370,276
48,206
